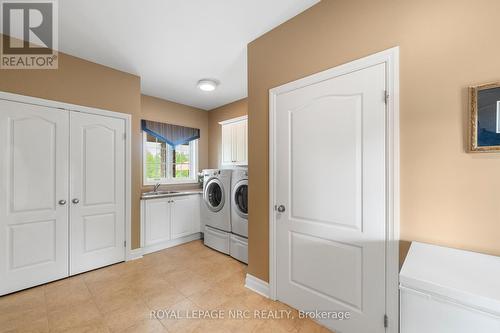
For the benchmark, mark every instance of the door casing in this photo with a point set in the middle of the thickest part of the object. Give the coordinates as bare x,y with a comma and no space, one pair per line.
391,58
129,253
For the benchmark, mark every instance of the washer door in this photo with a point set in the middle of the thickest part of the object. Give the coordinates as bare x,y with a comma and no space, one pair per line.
240,198
214,195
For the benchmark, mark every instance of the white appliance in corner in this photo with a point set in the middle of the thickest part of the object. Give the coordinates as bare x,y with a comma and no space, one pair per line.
239,215
445,290
216,209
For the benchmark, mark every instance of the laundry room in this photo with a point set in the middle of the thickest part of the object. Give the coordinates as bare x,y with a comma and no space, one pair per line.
212,202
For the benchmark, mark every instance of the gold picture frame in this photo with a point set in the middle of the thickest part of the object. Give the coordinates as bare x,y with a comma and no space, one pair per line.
477,132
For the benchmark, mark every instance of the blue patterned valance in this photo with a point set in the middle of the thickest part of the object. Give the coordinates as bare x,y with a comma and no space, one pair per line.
171,134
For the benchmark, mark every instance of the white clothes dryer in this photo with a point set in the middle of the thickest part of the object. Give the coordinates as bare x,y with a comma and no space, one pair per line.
239,215
217,209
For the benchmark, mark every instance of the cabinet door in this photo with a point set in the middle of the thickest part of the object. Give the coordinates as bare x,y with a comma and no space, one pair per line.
235,143
97,187
196,207
234,151
33,195
227,144
157,221
185,215
240,143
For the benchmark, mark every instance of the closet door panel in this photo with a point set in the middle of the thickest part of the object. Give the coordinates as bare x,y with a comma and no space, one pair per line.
97,224
33,195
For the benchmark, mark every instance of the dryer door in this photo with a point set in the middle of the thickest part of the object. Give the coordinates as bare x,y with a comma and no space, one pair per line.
240,198
214,195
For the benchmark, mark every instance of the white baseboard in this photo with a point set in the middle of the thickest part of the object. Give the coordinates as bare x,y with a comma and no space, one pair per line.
134,254
170,243
257,285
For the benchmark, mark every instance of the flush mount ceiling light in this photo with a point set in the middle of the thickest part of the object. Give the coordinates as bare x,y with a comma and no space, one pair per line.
207,84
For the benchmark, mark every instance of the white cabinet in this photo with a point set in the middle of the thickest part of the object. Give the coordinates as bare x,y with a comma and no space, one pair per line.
170,221
157,218
455,291
227,144
235,141
185,216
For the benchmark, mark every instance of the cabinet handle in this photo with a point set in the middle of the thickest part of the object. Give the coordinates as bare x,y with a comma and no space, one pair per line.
62,202
75,201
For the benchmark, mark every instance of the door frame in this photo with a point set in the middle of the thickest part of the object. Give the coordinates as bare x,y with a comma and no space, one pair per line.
391,58
129,253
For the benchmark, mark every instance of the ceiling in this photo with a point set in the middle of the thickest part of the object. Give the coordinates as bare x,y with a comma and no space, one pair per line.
171,44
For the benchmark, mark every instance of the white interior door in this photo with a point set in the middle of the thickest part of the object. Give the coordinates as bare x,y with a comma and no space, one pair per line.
97,193
330,179
33,195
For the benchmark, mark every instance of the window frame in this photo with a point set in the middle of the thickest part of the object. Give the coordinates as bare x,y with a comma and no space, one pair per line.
172,181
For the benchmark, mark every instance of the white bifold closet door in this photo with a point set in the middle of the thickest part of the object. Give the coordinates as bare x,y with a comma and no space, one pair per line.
62,193
33,195
97,191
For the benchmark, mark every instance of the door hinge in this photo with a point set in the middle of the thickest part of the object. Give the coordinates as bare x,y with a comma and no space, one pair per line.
386,97
124,136
386,321
124,243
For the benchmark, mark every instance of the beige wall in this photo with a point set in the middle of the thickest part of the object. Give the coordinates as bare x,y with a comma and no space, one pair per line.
85,83
448,197
156,109
232,110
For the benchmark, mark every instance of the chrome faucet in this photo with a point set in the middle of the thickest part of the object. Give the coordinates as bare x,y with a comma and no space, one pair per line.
155,188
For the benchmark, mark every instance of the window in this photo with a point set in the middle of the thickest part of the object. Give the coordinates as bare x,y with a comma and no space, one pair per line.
167,165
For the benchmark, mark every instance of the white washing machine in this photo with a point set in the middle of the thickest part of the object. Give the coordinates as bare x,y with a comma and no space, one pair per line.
217,209
239,215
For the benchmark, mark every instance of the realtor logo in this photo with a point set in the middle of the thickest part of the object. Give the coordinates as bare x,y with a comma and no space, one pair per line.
29,31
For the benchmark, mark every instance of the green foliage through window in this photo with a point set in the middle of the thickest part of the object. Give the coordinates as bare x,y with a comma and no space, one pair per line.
164,162
153,166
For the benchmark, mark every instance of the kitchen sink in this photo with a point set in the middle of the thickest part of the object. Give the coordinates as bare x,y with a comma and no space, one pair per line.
163,194
159,193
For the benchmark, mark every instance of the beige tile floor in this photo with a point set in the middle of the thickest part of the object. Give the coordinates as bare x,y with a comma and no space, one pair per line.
189,279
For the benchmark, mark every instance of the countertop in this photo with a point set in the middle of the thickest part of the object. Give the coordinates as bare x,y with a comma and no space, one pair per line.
145,196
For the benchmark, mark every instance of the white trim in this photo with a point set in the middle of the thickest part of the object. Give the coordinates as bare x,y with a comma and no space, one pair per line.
498,116
170,243
257,285
393,190
391,58
128,147
134,254
233,120
143,221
